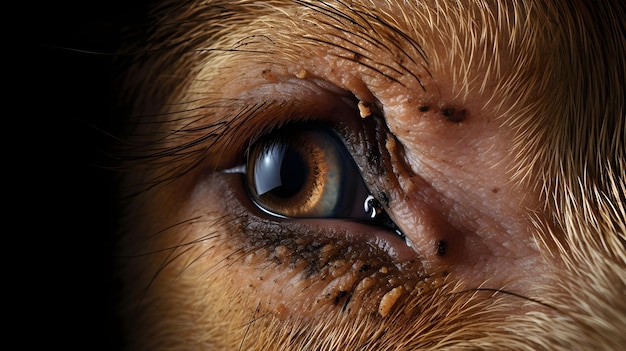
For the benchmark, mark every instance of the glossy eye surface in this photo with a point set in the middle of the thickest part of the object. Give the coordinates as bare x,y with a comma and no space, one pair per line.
306,172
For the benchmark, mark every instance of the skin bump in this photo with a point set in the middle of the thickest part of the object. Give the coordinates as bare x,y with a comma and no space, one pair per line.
486,130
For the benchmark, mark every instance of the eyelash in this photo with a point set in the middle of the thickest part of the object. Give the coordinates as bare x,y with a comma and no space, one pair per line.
362,207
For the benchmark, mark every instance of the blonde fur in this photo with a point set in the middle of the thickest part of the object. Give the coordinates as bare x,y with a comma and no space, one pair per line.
551,72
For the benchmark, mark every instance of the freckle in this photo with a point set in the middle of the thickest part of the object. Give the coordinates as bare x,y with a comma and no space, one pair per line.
383,270
357,56
424,108
302,74
495,190
267,74
364,110
442,248
453,115
390,298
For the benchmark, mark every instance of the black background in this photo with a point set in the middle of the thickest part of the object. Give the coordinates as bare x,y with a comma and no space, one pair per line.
59,115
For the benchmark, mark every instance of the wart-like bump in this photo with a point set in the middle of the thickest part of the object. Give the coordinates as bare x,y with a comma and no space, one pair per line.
364,109
388,300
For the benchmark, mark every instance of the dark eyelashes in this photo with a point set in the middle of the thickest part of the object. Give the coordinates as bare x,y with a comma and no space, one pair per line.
178,142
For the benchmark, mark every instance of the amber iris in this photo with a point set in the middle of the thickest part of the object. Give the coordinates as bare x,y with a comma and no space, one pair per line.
305,171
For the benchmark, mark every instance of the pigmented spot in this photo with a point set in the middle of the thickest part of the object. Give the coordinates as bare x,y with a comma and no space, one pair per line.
454,115
340,296
424,108
267,74
442,248
495,190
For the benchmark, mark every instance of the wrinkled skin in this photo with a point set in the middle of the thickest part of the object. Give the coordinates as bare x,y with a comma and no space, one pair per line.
491,134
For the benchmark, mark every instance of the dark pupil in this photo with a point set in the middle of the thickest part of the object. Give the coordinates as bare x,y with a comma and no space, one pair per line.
280,172
294,172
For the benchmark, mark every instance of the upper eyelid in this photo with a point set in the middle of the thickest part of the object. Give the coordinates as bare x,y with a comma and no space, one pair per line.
252,116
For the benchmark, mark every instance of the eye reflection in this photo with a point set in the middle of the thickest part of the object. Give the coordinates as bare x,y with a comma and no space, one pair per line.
306,173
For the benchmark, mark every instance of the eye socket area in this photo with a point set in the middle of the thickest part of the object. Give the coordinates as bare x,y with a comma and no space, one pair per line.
305,171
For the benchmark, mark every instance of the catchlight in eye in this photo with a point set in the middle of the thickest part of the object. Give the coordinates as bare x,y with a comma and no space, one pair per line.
305,171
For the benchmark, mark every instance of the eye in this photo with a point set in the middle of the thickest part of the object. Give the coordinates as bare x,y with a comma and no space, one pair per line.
305,171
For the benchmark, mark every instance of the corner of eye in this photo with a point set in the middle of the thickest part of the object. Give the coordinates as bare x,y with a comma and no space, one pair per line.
237,169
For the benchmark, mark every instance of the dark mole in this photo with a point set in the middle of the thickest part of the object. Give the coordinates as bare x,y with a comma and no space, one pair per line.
357,56
424,108
453,115
267,73
442,248
495,190
340,295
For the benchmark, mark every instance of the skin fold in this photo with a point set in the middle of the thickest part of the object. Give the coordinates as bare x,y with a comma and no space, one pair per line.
490,133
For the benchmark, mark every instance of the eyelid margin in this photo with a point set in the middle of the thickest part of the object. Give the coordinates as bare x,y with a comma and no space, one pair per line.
366,209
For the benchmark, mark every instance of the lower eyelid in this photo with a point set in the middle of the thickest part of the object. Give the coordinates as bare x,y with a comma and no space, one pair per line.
315,257
240,207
